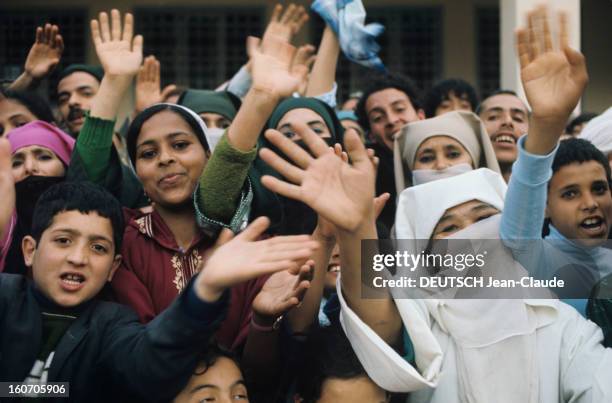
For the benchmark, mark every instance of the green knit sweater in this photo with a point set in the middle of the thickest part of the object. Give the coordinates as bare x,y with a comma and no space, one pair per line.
222,197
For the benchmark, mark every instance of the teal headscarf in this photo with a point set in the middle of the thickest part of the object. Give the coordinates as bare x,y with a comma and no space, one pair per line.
205,101
315,105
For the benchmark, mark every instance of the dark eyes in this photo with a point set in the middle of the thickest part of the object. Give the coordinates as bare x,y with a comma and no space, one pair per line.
600,188
99,248
450,228
62,240
569,194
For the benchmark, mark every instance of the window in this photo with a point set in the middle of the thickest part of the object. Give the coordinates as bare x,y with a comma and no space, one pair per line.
487,48
411,45
198,47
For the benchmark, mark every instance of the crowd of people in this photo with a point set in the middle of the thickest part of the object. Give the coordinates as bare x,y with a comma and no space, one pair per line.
209,248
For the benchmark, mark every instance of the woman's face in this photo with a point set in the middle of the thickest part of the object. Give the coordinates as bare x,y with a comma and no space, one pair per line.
215,121
36,160
222,382
305,116
12,115
440,152
462,216
169,159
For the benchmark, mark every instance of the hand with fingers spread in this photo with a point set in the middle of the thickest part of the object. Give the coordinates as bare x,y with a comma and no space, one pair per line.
148,85
243,257
277,68
338,192
46,52
120,53
553,79
281,292
284,25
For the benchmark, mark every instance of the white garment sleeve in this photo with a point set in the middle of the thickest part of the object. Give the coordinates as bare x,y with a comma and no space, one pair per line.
382,363
586,365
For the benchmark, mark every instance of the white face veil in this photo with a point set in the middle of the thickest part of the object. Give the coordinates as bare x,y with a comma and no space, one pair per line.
492,340
463,126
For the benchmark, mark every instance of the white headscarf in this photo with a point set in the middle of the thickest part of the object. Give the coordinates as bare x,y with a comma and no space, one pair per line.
599,132
481,339
463,126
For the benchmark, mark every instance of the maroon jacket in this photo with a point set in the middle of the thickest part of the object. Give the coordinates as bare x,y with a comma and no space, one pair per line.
155,270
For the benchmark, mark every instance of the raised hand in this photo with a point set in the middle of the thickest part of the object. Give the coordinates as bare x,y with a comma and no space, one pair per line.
281,292
148,85
120,53
553,79
7,186
273,67
46,52
284,25
242,258
338,192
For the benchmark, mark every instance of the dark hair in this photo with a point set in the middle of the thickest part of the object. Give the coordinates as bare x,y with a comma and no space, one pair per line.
328,354
441,91
83,197
380,82
579,150
494,93
32,102
142,117
578,120
210,356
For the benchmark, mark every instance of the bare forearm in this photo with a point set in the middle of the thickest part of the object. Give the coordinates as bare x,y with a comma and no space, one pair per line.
301,318
23,83
324,70
251,118
108,99
380,314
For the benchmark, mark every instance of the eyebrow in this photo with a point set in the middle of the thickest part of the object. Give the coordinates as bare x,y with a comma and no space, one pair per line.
381,109
483,206
80,87
78,233
207,385
169,136
500,109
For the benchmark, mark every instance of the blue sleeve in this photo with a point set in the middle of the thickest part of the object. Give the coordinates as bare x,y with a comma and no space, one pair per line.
525,203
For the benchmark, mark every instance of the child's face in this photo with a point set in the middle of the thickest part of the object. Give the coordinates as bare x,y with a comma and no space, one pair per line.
579,203
222,382
169,159
74,258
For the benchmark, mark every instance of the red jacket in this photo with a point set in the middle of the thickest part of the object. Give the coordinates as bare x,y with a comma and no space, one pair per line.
155,270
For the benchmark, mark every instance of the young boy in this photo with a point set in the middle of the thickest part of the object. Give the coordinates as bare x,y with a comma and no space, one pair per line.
54,329
449,95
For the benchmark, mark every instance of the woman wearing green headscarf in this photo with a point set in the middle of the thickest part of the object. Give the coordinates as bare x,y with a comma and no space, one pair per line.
288,216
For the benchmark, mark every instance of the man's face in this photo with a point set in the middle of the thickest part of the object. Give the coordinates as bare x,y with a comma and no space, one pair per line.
506,119
388,111
579,203
74,95
74,258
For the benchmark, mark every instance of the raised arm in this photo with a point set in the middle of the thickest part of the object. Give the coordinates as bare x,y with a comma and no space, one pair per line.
148,85
323,73
554,80
342,194
7,189
120,54
43,57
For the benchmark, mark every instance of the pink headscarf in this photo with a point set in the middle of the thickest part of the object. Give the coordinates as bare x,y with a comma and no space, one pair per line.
39,133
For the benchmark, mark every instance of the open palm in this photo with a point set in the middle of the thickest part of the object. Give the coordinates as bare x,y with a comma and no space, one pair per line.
553,79
119,52
281,292
46,52
339,192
